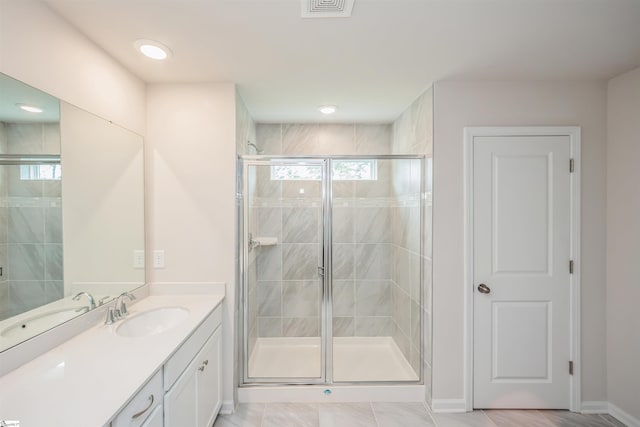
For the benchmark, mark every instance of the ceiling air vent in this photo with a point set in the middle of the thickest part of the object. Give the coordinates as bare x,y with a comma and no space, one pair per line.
326,8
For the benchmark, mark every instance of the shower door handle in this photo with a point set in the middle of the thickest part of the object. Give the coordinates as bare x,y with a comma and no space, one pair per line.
320,271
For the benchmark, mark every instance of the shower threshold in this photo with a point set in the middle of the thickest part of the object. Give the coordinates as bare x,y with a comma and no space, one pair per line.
355,359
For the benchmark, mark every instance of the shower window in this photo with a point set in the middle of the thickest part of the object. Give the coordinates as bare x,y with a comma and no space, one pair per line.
342,170
296,173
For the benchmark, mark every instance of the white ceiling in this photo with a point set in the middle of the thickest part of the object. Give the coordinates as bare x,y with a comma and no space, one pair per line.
371,65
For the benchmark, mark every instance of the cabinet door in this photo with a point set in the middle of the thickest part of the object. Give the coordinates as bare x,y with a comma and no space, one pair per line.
209,384
155,419
180,402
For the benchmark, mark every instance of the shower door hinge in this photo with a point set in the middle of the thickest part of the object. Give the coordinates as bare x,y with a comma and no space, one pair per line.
570,367
320,271
571,267
571,165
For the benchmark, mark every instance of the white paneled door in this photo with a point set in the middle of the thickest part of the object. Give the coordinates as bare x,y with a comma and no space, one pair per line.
521,271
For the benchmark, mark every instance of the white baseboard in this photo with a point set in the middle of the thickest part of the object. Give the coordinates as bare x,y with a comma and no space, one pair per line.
623,416
317,394
227,407
588,407
594,407
448,405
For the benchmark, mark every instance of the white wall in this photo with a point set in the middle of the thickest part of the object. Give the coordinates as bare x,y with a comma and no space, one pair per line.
481,103
44,51
623,242
190,191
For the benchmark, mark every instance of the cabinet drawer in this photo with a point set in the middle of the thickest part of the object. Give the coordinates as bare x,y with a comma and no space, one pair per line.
185,354
142,404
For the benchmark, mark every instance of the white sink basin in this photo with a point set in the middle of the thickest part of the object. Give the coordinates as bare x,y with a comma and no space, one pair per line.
40,322
152,322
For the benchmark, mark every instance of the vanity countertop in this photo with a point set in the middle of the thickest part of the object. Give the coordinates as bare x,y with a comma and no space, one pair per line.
88,379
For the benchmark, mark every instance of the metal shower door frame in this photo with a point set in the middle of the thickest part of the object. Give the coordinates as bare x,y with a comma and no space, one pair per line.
326,332
325,326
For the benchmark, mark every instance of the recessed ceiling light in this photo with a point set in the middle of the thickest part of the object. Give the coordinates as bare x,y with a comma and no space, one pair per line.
30,108
327,109
153,49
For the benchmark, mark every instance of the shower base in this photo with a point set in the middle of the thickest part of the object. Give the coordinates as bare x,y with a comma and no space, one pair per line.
355,359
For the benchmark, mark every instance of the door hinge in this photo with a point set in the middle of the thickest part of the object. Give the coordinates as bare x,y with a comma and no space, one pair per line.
570,367
320,271
571,267
571,165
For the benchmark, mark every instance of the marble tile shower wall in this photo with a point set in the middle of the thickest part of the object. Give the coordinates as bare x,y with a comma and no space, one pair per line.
323,139
413,134
245,132
288,291
288,285
362,248
30,223
245,128
406,291
252,300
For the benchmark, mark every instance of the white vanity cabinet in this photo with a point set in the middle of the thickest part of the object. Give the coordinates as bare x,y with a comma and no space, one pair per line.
116,380
193,383
187,390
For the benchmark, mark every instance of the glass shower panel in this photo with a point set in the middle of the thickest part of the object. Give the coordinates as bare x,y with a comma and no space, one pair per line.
376,270
284,286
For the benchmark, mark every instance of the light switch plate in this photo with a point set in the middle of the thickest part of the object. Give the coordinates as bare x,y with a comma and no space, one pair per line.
158,258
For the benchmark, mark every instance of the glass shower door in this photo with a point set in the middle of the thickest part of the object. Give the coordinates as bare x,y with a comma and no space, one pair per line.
284,214
376,269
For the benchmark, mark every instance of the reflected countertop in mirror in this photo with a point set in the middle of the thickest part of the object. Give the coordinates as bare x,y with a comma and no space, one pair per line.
71,211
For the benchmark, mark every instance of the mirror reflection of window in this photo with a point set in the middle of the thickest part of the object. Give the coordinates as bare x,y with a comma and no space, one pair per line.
40,172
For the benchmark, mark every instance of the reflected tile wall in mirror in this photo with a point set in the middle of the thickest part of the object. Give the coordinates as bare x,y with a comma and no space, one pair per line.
4,186
31,223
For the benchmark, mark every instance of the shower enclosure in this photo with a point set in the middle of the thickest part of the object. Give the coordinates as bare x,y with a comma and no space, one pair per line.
331,268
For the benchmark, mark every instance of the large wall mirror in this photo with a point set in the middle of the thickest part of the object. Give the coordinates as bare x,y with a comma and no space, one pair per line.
71,211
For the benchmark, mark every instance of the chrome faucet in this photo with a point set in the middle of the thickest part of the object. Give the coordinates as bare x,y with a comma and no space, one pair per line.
122,311
118,312
92,302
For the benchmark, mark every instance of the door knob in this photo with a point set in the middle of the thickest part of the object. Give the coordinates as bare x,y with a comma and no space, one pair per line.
483,289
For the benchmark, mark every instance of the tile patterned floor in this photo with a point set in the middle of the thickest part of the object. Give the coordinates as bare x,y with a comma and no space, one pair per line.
378,414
